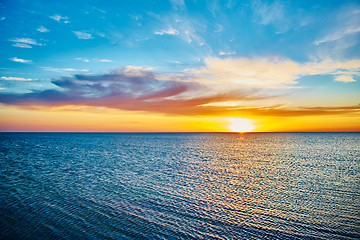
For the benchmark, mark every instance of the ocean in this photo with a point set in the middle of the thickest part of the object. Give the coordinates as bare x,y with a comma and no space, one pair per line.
179,186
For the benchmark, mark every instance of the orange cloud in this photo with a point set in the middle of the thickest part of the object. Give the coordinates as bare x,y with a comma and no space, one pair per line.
140,89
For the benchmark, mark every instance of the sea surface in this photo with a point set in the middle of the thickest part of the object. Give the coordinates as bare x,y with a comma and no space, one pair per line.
179,186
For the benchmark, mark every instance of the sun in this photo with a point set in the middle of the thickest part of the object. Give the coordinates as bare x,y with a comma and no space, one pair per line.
240,125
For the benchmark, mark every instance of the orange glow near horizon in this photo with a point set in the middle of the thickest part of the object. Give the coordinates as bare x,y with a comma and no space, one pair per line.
107,120
21,120
240,125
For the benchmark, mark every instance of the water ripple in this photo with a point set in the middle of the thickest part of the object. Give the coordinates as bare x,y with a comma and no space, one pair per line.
179,186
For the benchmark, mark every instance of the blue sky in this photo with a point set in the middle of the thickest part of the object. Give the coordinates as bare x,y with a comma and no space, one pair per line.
293,54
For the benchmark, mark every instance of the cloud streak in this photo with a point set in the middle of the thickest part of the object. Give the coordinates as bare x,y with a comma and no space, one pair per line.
337,35
178,4
170,31
82,59
21,45
15,59
16,79
64,69
24,42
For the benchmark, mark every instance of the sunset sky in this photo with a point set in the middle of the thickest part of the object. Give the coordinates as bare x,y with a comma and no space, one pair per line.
179,66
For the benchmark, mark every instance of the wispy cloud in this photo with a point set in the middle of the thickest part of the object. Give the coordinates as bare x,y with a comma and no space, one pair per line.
213,6
82,59
21,45
103,11
15,59
178,4
24,42
338,35
170,61
83,35
170,31
227,53
272,12
181,25
16,79
268,13
104,60
64,69
59,18
42,29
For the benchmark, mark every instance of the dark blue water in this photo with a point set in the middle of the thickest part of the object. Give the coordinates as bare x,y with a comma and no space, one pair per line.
179,186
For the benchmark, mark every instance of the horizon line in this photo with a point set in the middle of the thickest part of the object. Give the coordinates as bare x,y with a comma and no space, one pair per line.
177,132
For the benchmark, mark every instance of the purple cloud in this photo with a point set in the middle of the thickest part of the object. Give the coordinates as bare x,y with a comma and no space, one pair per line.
130,88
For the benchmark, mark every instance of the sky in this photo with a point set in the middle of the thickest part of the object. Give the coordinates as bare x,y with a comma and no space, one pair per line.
179,66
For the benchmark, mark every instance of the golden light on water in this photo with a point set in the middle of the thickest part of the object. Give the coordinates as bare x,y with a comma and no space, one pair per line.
240,125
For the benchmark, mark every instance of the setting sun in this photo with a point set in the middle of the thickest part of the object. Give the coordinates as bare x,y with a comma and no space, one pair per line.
240,125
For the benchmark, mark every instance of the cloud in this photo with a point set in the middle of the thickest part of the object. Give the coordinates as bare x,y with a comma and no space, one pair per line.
248,72
226,53
306,111
59,18
15,59
24,42
42,29
178,4
82,59
268,72
170,61
104,60
83,35
340,34
22,45
220,28
130,88
64,69
337,35
276,111
272,12
337,69
16,79
183,25
344,79
103,11
170,31
141,89
346,24
268,13
213,7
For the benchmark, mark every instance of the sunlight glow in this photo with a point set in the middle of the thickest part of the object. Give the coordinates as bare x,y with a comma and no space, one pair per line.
240,125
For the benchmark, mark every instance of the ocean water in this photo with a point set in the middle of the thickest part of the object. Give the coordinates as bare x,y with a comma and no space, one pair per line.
179,186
